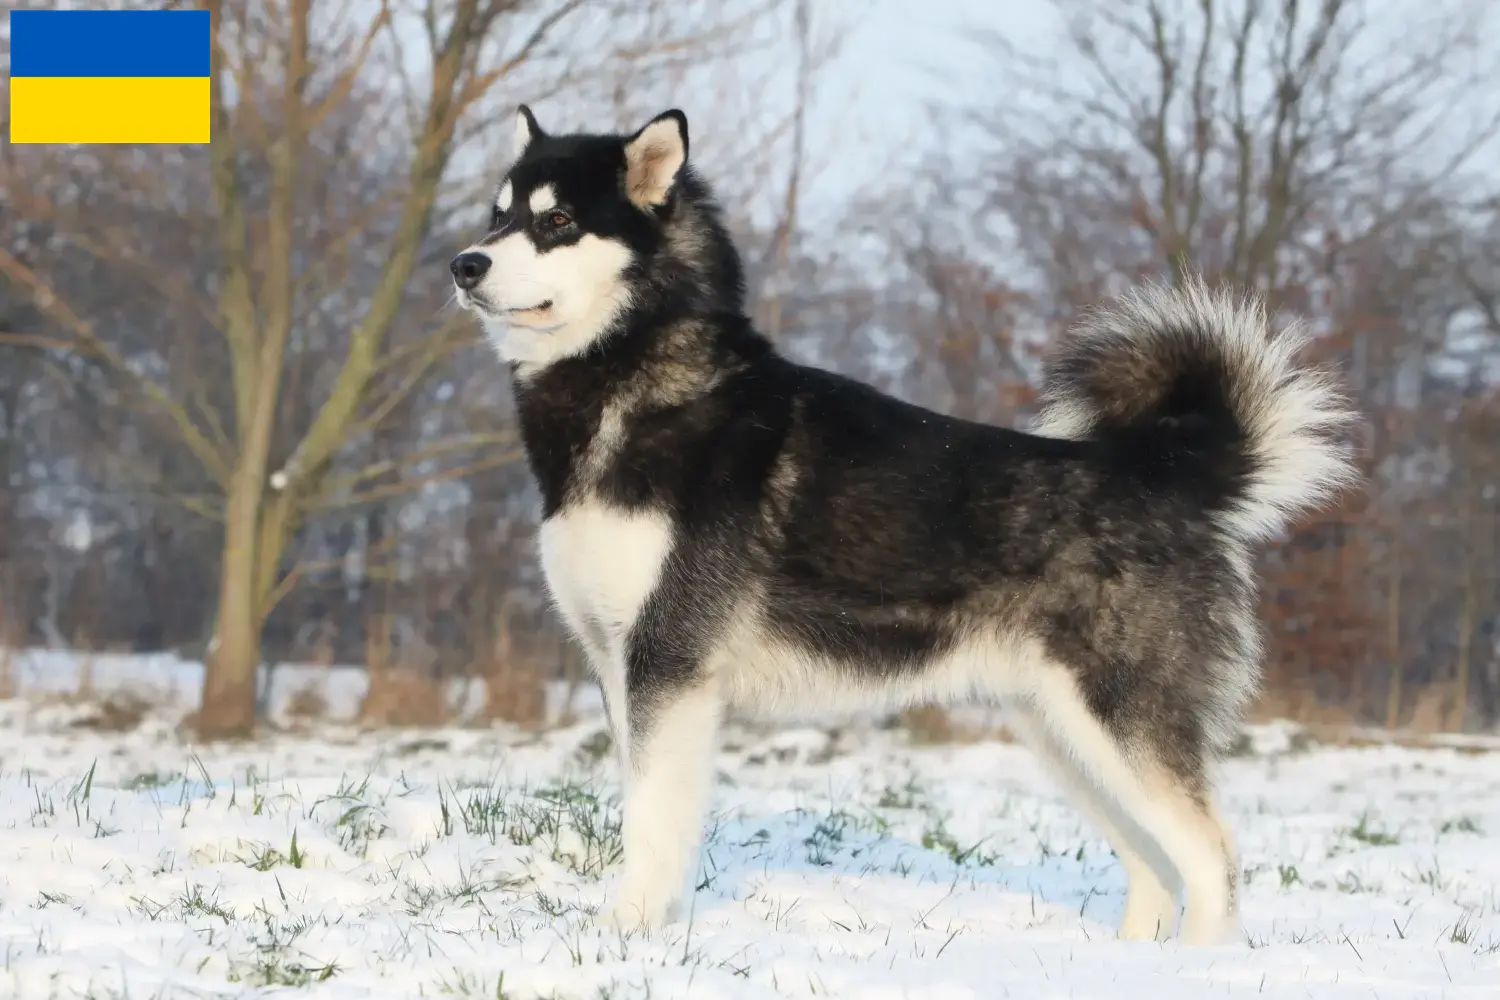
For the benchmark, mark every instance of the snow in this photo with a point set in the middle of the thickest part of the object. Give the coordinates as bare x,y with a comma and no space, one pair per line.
471,863
173,682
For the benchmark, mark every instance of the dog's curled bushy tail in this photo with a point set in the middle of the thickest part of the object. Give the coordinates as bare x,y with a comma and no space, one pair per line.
1208,369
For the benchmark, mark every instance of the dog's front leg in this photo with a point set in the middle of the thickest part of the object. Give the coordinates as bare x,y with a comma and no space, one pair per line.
673,706
673,733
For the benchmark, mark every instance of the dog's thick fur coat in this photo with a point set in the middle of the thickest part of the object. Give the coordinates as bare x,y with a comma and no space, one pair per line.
725,527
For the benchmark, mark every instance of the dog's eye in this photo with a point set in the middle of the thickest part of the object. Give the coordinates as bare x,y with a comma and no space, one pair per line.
557,219
497,219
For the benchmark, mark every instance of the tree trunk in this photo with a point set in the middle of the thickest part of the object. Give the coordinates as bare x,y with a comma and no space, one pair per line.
228,709
1467,617
1393,624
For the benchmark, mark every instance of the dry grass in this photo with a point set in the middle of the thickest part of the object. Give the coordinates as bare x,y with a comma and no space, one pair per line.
1429,724
308,703
1300,704
120,711
405,697
399,693
929,725
1434,714
12,637
1332,723
1435,710
85,689
7,672
515,685
515,691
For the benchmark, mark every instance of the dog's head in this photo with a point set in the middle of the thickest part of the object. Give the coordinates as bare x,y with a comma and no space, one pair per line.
581,227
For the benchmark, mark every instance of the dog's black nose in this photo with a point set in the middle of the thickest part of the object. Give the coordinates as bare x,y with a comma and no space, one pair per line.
468,269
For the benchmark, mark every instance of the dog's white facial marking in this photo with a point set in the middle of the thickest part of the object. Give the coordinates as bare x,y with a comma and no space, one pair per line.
505,197
542,199
553,304
537,306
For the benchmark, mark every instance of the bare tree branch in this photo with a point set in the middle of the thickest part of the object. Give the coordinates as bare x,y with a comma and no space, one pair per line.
89,342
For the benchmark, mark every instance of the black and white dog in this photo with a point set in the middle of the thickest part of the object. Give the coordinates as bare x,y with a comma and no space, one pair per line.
724,527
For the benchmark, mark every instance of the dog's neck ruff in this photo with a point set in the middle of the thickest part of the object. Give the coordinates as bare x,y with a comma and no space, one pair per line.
577,412
674,336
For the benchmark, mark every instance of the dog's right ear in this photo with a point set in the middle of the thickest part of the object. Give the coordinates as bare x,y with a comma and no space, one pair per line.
527,130
653,158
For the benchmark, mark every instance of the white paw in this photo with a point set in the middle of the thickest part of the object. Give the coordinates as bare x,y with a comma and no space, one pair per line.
639,909
1150,914
1158,929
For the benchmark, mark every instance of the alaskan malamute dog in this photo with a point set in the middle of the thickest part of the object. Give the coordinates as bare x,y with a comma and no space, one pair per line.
724,527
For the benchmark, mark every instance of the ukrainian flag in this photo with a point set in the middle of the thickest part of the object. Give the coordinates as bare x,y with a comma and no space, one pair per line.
109,76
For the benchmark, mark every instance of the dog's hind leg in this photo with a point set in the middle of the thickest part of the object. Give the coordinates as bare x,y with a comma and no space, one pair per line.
1231,855
1150,906
1181,809
1163,795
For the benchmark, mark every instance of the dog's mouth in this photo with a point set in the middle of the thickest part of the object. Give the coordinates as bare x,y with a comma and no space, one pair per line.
522,314
538,317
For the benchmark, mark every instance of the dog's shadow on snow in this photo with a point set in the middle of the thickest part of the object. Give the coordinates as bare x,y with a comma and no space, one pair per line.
743,850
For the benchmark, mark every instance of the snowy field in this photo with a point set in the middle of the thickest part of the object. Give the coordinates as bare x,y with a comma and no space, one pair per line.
471,863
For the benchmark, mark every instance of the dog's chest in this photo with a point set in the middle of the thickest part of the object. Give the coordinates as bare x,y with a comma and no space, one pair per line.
601,564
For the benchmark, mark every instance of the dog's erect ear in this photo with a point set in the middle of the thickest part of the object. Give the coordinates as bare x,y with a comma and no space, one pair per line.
653,157
527,129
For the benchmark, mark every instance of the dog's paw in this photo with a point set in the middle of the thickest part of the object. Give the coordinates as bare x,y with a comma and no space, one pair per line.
629,918
639,908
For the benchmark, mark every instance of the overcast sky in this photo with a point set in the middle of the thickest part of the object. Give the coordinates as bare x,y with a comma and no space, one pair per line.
901,57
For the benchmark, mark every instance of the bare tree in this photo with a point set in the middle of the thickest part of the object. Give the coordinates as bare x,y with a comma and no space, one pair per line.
344,141
1247,139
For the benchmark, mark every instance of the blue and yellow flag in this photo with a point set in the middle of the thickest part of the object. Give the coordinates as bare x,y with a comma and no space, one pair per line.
111,76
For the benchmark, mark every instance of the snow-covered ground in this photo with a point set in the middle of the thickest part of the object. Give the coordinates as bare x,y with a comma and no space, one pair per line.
471,863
